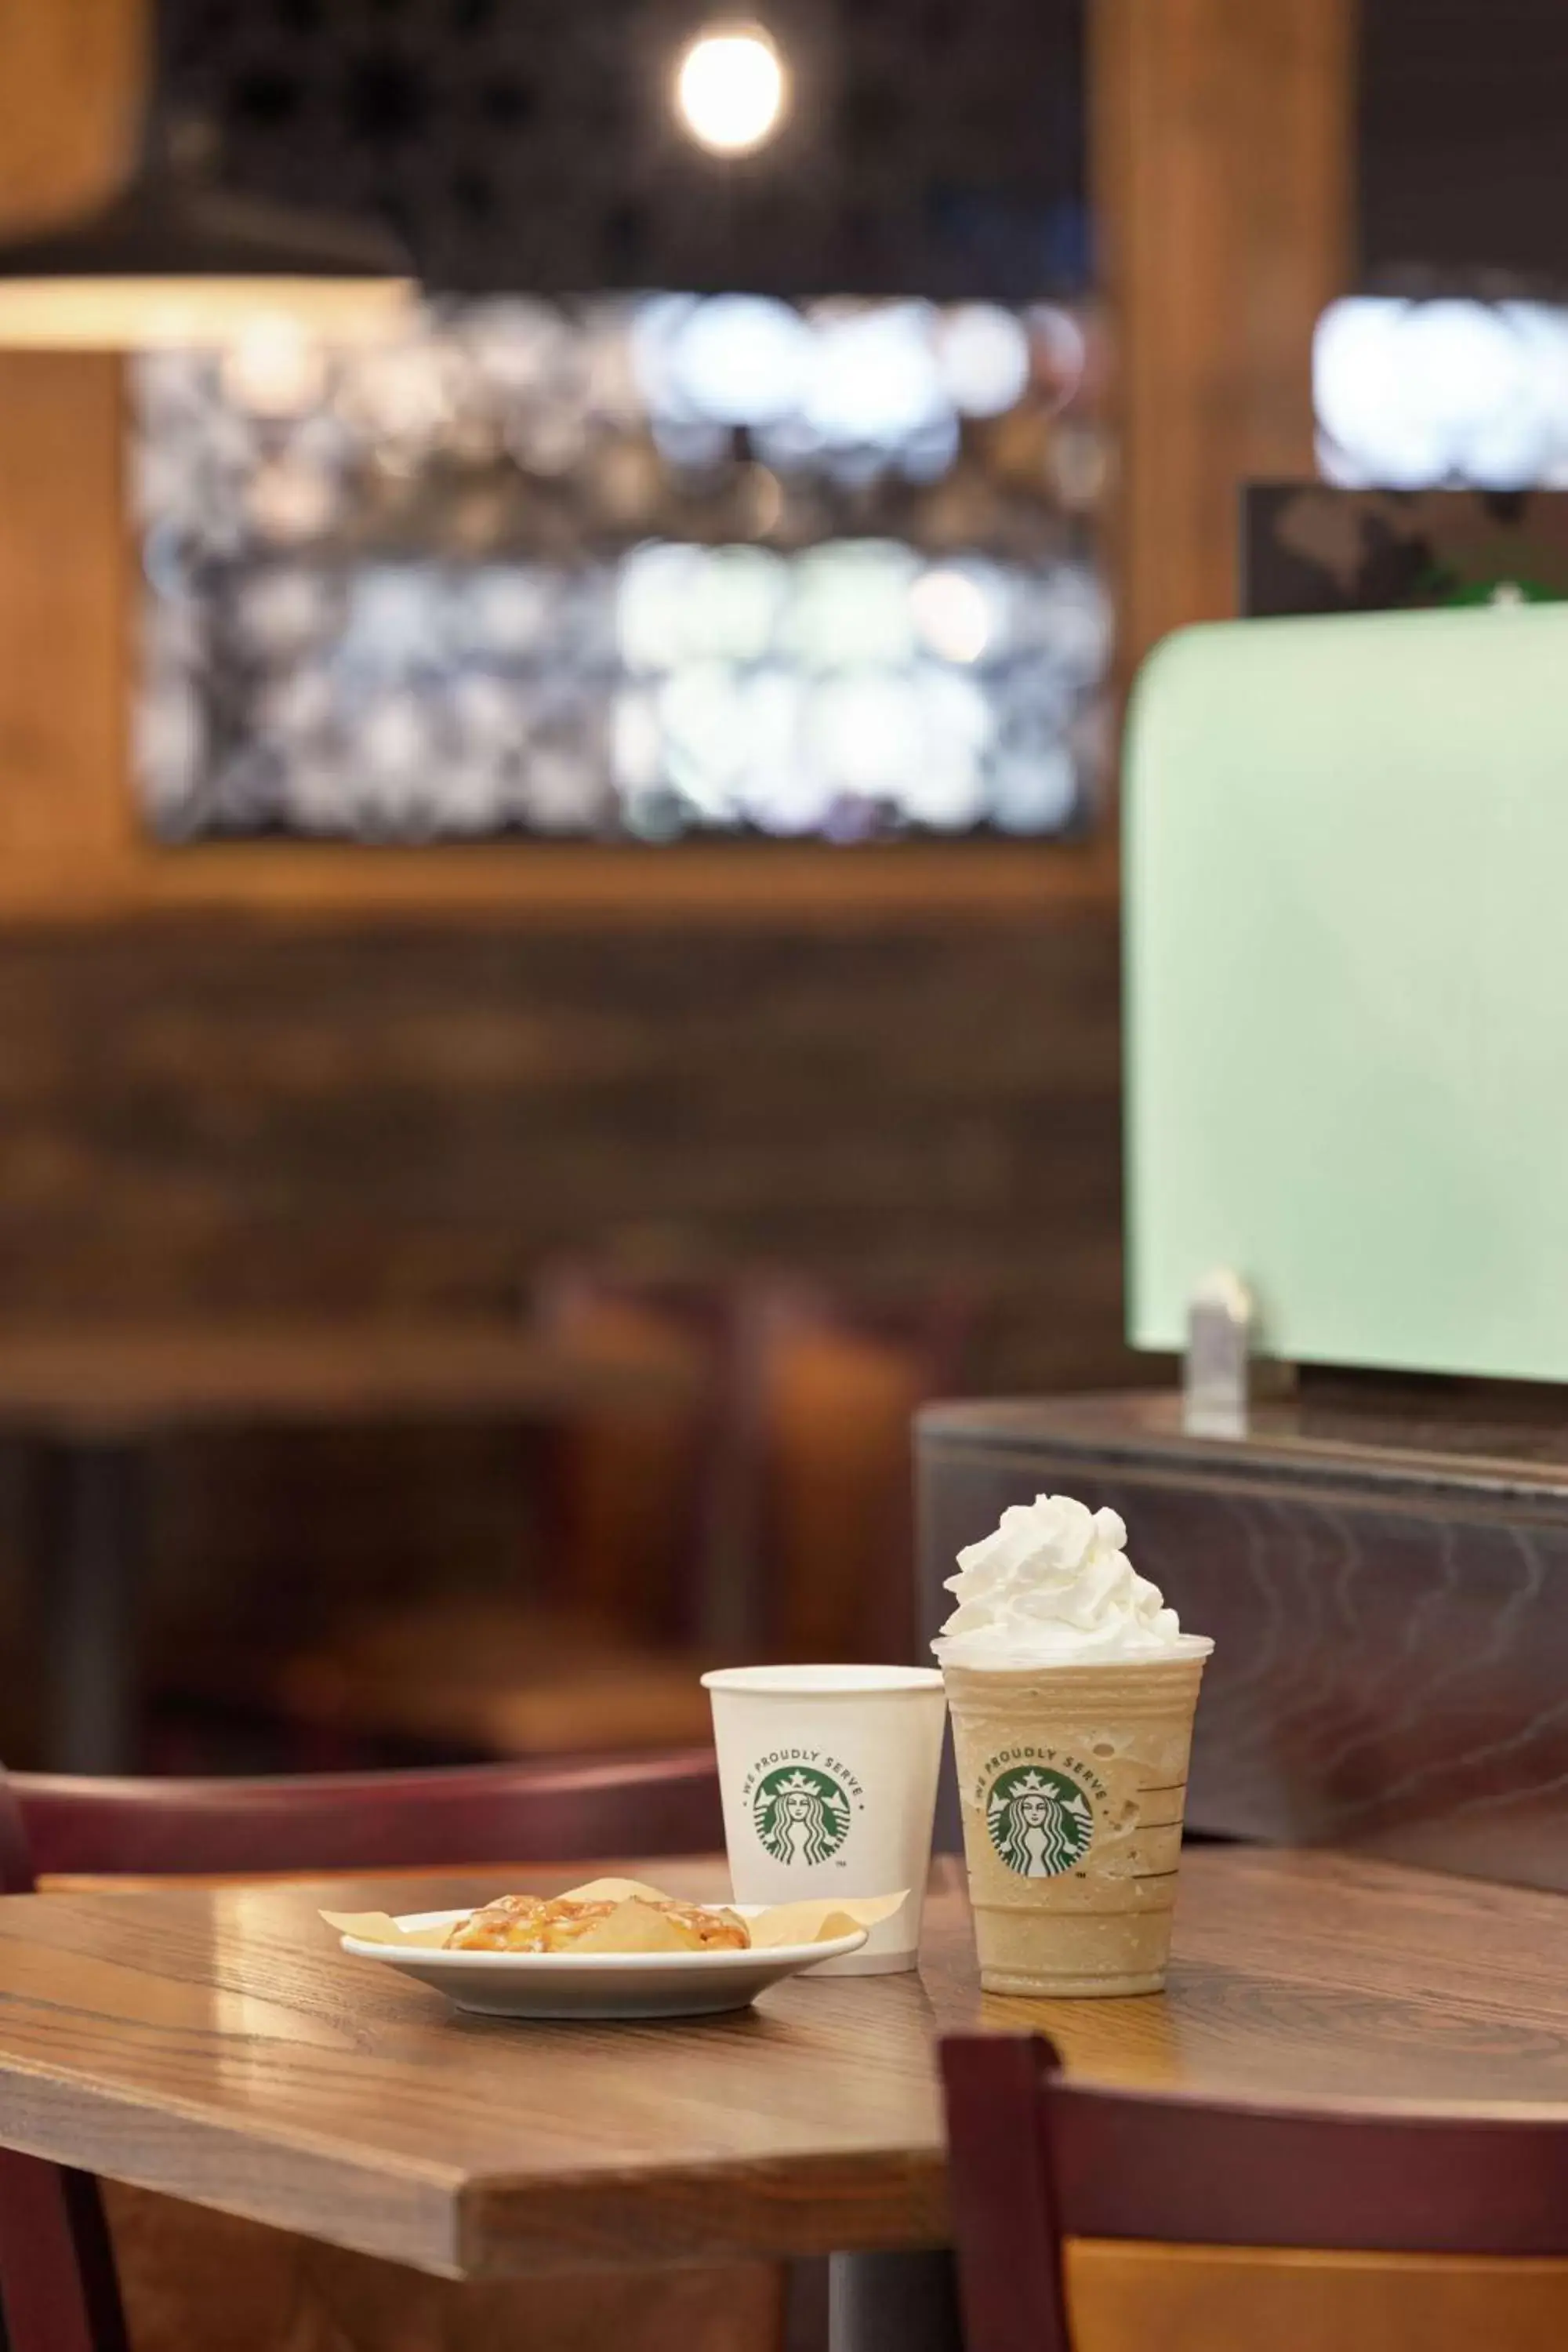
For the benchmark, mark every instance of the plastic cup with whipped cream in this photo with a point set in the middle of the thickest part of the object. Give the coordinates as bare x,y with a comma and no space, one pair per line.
1072,1690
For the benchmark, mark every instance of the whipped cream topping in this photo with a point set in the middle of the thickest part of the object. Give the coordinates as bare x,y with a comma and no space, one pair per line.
1054,1587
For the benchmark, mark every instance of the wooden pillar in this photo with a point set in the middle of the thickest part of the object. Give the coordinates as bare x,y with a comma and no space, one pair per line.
71,71
71,74
1223,136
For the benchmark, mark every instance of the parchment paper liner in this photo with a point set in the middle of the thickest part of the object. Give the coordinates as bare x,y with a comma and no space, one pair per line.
819,1921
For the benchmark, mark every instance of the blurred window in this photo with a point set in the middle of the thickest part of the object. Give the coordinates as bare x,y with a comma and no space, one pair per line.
1445,392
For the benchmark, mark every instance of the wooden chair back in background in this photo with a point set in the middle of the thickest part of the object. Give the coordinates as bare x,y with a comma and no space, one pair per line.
767,1511
649,1501
54,1825
838,1377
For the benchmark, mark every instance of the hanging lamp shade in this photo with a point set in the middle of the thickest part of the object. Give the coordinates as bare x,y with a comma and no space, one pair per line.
174,258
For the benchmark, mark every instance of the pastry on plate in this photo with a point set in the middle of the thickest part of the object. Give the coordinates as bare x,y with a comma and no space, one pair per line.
567,1923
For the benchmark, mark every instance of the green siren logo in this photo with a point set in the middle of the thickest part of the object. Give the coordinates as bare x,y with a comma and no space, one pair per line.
1039,1820
802,1814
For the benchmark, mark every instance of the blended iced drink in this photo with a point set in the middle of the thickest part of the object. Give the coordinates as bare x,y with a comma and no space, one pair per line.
1071,1689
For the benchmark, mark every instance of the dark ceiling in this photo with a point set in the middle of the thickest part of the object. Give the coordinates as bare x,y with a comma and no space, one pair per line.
1464,139
935,146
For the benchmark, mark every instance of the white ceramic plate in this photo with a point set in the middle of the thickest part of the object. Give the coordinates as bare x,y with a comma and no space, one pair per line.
598,1984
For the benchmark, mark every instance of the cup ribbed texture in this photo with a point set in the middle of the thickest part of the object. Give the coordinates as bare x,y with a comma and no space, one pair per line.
1116,1737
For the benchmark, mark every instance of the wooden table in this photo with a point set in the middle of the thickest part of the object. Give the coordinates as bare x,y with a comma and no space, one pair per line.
88,1402
215,2045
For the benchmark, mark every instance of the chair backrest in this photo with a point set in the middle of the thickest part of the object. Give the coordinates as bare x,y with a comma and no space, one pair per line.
650,1494
57,2290
783,1471
838,1373
1036,2158
359,1820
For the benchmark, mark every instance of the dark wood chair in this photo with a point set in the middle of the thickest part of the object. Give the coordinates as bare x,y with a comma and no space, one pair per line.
835,1376
1038,2158
56,1825
649,1498
770,1501
634,1574
58,2291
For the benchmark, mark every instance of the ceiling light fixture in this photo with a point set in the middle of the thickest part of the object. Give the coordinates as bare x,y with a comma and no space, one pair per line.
173,259
731,88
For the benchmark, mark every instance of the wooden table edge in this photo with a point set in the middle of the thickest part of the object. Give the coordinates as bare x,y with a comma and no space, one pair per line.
436,2220
117,2137
787,2209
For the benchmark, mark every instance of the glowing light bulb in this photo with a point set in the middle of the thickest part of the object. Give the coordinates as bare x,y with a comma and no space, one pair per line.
275,367
952,614
731,88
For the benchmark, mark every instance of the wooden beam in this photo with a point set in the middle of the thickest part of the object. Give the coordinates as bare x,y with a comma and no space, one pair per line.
65,598
71,71
1223,143
71,74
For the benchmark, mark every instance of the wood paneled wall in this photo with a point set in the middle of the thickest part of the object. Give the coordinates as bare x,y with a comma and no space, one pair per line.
248,1119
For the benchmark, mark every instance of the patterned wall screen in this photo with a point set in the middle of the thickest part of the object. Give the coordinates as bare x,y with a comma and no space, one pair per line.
626,567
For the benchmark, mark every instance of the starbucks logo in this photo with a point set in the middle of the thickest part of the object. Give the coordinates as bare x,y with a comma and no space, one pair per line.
1040,1821
802,1814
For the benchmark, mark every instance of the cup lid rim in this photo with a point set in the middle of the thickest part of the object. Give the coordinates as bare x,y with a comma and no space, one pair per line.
802,1681
1183,1650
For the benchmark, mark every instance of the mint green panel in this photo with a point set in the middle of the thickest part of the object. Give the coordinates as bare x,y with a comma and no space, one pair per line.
1347,1003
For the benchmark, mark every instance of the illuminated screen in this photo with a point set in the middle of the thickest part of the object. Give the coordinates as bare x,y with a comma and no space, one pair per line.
1446,393
647,568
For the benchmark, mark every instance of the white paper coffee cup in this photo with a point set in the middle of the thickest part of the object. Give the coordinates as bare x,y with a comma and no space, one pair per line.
828,1777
